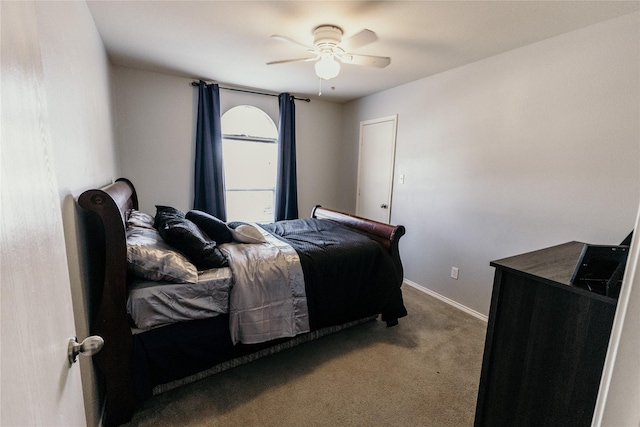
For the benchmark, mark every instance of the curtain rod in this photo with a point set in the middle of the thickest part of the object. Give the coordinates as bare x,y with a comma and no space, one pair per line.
253,92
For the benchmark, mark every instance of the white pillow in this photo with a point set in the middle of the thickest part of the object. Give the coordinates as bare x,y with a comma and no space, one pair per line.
246,233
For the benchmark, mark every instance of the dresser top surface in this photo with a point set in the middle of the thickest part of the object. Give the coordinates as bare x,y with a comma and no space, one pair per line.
555,263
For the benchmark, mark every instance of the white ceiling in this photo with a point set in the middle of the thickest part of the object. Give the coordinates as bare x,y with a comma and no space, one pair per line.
229,41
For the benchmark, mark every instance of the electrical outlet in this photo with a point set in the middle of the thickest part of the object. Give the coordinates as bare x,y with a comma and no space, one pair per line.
454,272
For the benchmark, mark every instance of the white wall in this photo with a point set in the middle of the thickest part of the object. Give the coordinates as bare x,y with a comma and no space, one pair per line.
77,86
517,152
619,393
156,135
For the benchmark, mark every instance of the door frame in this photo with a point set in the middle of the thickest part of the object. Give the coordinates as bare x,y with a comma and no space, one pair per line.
392,160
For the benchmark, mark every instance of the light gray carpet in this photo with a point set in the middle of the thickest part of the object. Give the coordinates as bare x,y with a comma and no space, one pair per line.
423,372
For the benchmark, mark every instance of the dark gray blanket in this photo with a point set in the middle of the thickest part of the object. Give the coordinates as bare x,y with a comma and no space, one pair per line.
347,275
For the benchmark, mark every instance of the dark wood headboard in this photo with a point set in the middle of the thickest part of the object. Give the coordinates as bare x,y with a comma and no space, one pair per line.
113,204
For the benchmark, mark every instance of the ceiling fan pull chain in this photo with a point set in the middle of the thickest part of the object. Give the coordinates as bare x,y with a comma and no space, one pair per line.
319,87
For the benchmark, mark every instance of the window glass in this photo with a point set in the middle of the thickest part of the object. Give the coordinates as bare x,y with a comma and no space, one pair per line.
250,158
246,120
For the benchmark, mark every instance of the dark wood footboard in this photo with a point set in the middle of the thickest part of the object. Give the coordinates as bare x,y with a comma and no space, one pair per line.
385,234
111,206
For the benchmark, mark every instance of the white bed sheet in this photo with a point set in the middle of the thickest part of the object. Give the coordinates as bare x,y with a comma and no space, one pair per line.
151,304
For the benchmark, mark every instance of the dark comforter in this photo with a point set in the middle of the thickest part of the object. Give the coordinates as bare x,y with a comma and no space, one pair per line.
347,275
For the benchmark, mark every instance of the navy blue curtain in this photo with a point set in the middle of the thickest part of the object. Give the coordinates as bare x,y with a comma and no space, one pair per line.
286,184
209,171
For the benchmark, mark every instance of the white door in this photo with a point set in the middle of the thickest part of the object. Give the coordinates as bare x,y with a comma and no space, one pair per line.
375,168
39,385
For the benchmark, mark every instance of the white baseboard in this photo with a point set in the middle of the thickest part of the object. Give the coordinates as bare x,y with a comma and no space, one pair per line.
447,300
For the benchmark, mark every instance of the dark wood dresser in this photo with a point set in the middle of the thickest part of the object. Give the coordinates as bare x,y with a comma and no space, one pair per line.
546,343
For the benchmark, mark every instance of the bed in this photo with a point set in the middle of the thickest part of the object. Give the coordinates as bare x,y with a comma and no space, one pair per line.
311,277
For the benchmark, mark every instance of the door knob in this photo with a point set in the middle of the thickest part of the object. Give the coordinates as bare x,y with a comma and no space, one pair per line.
88,347
383,206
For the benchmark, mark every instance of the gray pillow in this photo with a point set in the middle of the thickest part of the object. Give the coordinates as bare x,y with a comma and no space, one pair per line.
151,258
140,219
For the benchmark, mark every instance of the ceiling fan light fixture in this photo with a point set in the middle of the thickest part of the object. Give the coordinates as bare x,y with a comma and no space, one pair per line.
330,50
327,67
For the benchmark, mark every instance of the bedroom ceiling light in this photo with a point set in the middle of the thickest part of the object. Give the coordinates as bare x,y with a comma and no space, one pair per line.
327,67
329,50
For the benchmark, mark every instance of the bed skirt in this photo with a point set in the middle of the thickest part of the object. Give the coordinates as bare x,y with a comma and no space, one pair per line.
221,367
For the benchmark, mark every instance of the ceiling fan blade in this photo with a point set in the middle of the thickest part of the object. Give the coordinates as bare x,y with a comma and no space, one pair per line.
366,60
290,40
360,39
284,61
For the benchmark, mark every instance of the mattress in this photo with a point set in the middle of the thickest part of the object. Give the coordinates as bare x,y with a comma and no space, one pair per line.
151,304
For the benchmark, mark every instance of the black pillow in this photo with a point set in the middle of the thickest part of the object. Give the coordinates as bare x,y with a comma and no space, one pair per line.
164,213
212,226
186,237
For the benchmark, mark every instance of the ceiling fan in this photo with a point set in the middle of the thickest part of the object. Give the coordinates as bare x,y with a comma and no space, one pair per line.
329,50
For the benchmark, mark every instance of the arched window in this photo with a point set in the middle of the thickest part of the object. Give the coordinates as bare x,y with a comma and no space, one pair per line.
250,157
